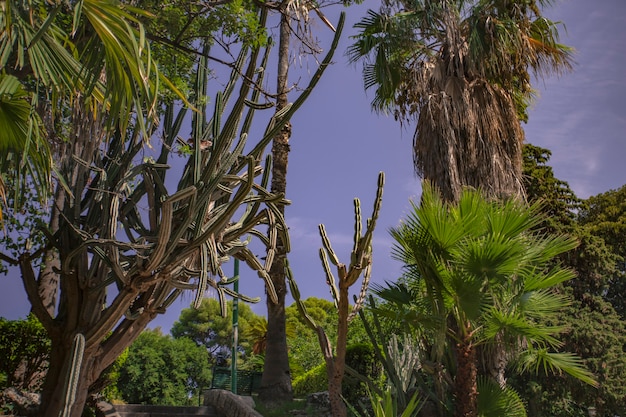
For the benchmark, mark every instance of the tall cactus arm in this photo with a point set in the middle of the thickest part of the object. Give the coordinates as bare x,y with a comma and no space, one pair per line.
327,246
358,225
295,293
248,257
358,302
330,278
73,374
165,228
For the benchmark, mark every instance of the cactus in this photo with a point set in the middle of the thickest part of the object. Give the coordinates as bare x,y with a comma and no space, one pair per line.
360,263
135,233
73,374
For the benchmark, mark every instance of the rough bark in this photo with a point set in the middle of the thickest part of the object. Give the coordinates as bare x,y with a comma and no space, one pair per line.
276,380
337,371
98,355
48,281
465,381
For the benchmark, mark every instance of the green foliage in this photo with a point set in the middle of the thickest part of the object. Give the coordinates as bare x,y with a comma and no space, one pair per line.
400,359
605,217
25,350
361,357
112,375
385,404
558,201
595,332
496,401
177,28
162,370
314,380
304,349
592,327
208,328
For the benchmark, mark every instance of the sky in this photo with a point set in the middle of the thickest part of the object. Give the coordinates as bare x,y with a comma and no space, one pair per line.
338,147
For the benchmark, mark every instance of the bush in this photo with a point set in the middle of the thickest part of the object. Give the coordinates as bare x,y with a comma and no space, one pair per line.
24,349
314,380
362,359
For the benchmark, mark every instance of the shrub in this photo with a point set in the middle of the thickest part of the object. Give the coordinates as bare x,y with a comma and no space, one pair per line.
314,380
362,359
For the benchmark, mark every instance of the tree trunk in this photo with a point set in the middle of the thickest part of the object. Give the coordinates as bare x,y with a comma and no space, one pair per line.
465,382
96,357
337,406
276,380
336,372
48,282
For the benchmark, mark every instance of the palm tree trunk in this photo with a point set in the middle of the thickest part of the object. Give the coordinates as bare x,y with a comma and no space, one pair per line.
465,382
276,380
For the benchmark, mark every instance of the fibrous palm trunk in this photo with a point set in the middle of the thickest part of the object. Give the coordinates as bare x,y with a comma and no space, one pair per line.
465,381
276,380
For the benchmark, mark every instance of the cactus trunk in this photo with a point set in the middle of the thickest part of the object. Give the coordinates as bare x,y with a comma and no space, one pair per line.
58,389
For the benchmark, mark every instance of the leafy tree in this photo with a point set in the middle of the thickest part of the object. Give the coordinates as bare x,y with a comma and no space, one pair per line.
592,327
484,279
594,331
462,70
208,328
162,370
304,352
25,352
558,201
605,216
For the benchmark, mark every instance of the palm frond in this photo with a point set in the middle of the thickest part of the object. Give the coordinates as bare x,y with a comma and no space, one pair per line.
496,401
535,360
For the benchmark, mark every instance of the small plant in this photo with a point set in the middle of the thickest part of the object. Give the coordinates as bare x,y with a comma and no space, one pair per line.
385,404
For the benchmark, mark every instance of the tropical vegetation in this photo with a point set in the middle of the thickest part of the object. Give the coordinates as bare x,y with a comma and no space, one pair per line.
128,176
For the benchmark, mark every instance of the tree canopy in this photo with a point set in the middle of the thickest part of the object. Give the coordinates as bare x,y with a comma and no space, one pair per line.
162,370
207,327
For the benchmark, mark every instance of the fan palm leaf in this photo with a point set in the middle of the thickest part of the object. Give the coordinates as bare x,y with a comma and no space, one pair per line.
104,60
477,268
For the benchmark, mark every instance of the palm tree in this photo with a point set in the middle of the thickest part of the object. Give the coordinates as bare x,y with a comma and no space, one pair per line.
462,69
54,55
276,381
480,277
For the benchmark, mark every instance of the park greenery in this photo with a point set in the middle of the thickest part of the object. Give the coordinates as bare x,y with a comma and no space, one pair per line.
511,301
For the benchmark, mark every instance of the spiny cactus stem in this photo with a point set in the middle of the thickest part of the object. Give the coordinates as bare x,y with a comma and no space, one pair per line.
295,292
357,224
330,278
76,360
326,243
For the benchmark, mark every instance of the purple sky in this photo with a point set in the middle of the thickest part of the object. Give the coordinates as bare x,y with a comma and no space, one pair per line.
339,146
